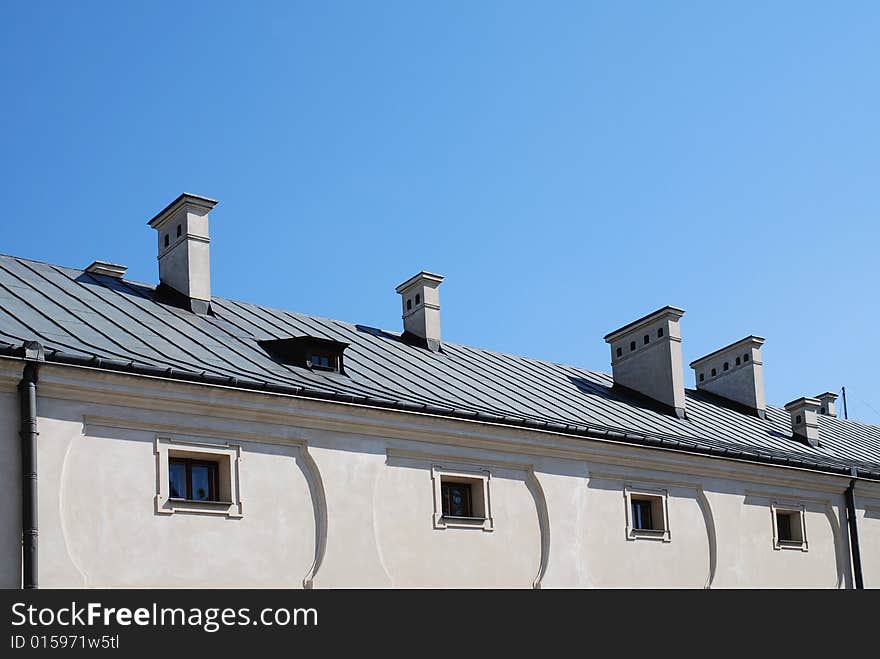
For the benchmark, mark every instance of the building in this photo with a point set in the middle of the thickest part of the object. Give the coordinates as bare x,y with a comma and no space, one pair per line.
173,438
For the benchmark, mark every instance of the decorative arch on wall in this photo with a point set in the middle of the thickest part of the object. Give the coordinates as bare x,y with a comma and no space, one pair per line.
319,505
534,486
709,519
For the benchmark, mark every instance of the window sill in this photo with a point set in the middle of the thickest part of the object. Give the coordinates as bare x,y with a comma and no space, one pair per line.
453,522
649,534
199,501
791,544
171,506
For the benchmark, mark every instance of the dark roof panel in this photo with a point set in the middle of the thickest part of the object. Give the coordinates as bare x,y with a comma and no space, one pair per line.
76,313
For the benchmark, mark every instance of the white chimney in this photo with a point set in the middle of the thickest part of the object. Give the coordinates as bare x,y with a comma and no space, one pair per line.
736,373
827,404
646,357
805,419
420,298
107,269
184,243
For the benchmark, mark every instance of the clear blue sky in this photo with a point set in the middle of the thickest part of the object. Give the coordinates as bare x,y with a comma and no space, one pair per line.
568,166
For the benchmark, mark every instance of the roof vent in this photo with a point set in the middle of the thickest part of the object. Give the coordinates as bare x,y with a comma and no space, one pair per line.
735,372
420,299
184,256
646,357
805,419
107,269
827,404
307,352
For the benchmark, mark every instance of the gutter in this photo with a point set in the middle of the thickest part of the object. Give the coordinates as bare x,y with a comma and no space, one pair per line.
855,550
27,388
638,439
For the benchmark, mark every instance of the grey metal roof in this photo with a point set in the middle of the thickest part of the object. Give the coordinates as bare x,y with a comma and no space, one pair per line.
102,321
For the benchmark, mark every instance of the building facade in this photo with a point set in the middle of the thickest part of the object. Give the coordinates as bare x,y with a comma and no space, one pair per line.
164,437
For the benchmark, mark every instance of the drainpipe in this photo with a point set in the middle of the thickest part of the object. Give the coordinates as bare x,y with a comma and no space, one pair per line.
854,532
27,388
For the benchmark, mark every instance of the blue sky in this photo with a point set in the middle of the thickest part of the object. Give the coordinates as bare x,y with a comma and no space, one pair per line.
568,166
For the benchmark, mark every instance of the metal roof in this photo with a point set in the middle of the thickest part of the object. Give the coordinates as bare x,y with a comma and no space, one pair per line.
96,320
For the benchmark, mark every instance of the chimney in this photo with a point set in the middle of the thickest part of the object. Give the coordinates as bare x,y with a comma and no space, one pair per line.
646,357
184,257
107,269
805,419
826,404
736,373
420,298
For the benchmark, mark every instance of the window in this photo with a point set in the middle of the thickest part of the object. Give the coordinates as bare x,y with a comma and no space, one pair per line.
307,352
409,305
745,358
456,499
619,352
197,477
646,514
323,361
418,298
193,480
178,231
660,333
789,526
167,240
642,520
726,366
702,376
714,371
632,345
461,498
647,339
738,361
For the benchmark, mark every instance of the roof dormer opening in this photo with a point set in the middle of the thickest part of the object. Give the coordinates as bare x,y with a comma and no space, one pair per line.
309,352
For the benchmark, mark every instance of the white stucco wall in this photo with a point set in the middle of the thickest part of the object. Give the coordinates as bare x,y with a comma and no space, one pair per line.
338,496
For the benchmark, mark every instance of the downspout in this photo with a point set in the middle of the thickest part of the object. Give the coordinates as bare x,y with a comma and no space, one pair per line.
854,533
27,388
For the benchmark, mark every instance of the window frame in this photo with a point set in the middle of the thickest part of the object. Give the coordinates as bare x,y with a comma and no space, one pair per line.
659,501
797,528
481,501
213,479
226,456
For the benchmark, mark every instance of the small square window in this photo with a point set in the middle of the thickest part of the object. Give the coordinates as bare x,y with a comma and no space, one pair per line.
193,480
646,514
197,477
461,499
456,499
789,527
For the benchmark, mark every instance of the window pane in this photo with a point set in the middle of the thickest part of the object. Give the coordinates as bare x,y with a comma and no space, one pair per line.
201,483
456,499
177,479
641,513
783,526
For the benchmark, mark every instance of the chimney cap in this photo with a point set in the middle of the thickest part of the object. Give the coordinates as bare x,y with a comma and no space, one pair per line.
751,340
185,198
803,401
426,277
106,268
828,395
674,312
